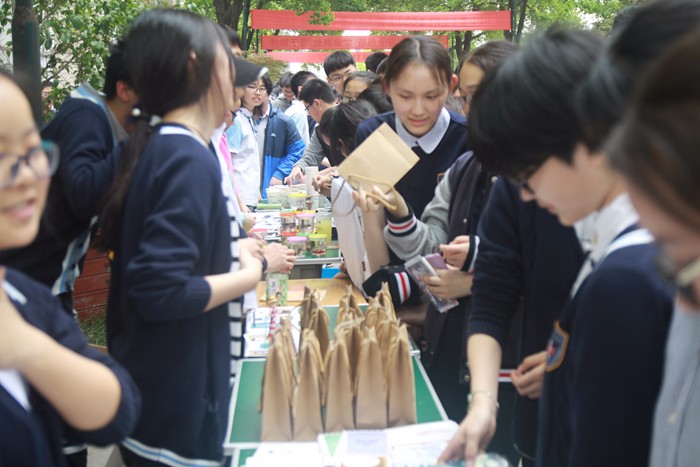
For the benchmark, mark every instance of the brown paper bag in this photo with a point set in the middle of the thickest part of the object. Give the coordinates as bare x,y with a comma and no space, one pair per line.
320,324
384,299
401,389
351,332
305,307
308,421
387,335
370,387
372,313
286,341
276,397
395,161
339,389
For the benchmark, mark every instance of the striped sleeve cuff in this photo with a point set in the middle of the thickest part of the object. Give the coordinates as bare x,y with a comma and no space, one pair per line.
403,226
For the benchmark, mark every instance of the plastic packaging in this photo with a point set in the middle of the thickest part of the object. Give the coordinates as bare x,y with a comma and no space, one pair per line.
305,223
318,244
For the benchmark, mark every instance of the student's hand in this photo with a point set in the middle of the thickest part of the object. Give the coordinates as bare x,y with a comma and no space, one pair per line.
323,180
450,283
16,335
296,176
368,201
252,246
474,433
529,376
279,258
248,222
456,252
275,181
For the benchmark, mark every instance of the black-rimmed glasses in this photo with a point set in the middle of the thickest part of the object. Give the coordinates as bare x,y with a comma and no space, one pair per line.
42,159
522,181
254,89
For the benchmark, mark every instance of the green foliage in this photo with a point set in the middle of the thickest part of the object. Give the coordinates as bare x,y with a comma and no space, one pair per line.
276,67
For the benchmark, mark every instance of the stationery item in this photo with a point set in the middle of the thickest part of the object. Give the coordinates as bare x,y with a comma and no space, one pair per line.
420,267
383,157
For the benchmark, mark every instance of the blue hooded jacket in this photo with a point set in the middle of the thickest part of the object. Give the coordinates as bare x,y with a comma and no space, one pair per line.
283,147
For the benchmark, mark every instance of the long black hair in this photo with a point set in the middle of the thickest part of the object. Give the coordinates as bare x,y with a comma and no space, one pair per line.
342,125
170,57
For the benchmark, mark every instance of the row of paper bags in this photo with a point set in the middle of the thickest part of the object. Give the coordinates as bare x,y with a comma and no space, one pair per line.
362,379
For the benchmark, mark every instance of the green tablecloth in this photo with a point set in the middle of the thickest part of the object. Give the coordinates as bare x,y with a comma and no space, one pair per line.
244,421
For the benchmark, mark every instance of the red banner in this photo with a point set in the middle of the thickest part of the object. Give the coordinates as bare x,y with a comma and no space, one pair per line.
385,21
334,42
313,57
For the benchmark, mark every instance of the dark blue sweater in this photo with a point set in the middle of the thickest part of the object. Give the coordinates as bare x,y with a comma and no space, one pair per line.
597,405
34,438
526,255
175,231
418,185
82,131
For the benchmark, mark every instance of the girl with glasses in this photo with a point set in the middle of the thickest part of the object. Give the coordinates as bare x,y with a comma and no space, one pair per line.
51,382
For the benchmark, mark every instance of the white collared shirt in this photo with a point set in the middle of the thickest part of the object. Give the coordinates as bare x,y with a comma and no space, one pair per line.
429,141
605,226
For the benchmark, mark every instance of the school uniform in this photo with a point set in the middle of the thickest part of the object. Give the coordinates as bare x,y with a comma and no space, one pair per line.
31,430
527,260
173,234
605,354
86,131
437,150
677,416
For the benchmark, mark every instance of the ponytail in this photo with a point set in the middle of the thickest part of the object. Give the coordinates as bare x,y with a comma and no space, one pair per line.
112,208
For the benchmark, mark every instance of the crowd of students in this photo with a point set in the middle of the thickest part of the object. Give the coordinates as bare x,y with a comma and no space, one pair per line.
558,181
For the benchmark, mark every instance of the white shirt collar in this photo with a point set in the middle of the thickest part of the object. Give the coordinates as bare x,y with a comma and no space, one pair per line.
602,228
429,141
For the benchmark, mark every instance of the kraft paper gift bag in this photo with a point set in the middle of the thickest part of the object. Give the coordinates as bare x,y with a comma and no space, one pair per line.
370,387
308,397
287,343
401,390
382,159
372,313
305,307
387,335
351,332
339,389
311,298
320,324
384,299
276,397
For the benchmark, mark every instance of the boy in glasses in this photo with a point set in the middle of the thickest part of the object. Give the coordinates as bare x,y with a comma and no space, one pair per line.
603,362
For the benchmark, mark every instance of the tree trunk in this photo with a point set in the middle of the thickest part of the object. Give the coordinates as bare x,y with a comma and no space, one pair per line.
521,21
